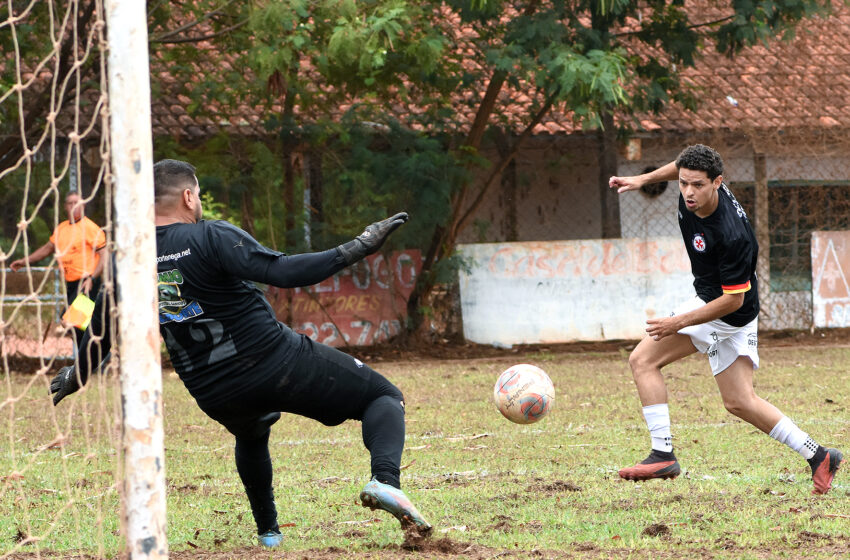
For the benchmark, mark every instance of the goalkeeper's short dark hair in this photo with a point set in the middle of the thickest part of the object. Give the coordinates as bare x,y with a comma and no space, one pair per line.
700,157
170,177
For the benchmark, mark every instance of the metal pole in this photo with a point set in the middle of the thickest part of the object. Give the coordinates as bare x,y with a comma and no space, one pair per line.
763,235
135,258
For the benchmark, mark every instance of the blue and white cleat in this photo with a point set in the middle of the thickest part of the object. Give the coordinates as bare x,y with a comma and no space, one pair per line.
377,495
270,539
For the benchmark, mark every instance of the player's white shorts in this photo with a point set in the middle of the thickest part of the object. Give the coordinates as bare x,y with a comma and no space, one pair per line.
721,341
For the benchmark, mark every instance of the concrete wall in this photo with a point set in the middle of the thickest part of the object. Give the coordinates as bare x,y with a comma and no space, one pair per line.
551,194
830,273
561,291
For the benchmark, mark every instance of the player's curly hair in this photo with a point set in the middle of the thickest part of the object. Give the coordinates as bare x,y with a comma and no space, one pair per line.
700,157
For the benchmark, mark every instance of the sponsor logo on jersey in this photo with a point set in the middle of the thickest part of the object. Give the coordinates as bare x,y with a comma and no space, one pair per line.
172,306
735,203
699,242
753,340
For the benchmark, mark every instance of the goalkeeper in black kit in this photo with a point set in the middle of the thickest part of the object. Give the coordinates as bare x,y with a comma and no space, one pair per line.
241,365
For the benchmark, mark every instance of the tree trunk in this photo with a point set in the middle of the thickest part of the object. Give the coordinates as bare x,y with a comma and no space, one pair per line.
445,238
313,179
247,204
609,200
509,188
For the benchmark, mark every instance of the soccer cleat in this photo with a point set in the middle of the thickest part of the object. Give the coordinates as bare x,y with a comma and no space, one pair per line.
825,464
270,539
377,495
657,465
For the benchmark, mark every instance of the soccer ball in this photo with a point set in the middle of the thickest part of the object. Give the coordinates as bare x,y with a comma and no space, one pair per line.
524,394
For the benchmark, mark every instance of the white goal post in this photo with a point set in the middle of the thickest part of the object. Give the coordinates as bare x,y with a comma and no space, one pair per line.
135,259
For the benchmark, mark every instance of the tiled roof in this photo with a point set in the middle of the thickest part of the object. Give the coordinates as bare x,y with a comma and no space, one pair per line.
802,83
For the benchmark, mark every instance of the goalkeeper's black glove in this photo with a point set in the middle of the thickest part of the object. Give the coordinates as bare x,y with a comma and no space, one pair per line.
371,239
64,384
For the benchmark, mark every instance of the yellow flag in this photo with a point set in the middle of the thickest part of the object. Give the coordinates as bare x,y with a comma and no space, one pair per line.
80,312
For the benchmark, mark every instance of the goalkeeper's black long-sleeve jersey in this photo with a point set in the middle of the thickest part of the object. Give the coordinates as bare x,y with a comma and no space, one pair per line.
220,331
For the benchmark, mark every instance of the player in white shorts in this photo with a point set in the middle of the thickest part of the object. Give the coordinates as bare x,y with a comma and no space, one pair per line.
720,341
721,321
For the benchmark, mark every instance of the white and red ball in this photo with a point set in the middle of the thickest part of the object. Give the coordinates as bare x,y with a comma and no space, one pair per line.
524,394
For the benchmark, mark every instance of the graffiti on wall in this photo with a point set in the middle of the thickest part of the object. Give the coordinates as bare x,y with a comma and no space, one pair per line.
361,305
830,286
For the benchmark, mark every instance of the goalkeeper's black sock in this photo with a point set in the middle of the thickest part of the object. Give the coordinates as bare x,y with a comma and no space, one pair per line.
255,469
383,435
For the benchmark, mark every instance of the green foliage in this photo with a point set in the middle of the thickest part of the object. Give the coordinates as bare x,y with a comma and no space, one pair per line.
370,170
374,171
28,196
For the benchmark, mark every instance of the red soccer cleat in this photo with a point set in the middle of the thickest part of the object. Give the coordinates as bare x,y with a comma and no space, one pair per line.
657,465
825,464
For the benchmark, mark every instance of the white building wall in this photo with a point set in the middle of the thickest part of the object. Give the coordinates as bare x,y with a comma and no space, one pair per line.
562,291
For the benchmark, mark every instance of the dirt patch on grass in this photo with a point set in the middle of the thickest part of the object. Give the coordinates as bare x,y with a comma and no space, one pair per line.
656,530
553,488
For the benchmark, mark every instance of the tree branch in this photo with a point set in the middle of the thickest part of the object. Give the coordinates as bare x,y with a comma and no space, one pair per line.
198,39
165,37
694,26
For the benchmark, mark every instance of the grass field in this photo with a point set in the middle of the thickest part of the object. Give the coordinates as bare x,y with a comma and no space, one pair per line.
491,488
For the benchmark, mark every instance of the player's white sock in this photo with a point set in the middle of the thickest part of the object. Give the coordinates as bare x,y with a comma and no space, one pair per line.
658,421
785,431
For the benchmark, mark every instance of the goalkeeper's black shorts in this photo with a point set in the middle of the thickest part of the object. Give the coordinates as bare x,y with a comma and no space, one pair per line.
322,383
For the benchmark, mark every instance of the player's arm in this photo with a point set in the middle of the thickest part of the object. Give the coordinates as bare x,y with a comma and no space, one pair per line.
736,257
715,309
667,172
86,282
242,256
44,251
94,349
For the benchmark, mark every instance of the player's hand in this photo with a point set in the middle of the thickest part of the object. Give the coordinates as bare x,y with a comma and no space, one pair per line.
85,285
64,384
624,184
371,239
17,265
662,327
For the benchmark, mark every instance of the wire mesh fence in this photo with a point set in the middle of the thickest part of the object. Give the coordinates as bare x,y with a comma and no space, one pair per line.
554,192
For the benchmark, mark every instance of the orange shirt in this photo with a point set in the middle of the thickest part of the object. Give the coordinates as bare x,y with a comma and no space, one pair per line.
75,247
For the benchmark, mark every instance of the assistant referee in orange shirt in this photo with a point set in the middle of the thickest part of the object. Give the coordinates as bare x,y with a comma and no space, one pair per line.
79,245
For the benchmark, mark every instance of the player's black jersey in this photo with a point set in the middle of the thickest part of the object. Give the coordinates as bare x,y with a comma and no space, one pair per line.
221,333
723,251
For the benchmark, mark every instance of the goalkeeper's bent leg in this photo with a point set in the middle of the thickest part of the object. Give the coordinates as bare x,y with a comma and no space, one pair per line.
254,464
383,435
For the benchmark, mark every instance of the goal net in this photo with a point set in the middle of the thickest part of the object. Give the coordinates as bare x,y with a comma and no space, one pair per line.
63,469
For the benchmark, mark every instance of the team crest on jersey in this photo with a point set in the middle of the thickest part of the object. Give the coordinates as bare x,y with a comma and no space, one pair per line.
699,242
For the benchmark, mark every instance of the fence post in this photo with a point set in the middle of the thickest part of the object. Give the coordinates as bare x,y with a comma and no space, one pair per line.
762,231
135,258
